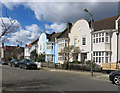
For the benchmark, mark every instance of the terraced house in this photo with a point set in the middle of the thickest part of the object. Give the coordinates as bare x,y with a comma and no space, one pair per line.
104,38
47,46
50,45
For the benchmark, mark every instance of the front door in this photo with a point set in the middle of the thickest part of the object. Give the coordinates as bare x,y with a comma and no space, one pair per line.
83,57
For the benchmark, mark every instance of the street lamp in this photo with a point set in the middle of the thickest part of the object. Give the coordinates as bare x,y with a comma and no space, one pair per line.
117,33
85,10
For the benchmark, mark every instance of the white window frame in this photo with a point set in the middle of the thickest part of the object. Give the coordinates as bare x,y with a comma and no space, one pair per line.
75,41
50,58
83,41
107,37
50,45
62,43
60,57
101,57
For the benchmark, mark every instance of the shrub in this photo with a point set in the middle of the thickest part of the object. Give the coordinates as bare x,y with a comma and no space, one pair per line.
76,62
88,62
33,55
41,58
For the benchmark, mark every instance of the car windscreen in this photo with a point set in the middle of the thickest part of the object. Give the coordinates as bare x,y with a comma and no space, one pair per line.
13,60
17,60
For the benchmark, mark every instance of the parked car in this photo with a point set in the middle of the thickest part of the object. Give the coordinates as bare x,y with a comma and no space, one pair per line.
4,62
14,63
115,77
27,64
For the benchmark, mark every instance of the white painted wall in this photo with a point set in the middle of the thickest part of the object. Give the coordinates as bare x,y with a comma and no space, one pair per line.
114,47
27,52
79,30
60,40
119,47
42,43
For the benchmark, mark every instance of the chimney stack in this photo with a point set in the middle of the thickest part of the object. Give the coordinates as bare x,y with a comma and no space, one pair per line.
69,25
2,44
17,45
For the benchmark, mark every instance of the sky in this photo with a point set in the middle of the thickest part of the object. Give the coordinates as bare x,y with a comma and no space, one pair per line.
33,18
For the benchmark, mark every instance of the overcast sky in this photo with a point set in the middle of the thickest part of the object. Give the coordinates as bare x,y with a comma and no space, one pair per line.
36,17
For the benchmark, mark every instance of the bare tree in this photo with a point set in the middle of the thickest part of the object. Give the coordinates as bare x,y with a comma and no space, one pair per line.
68,52
7,29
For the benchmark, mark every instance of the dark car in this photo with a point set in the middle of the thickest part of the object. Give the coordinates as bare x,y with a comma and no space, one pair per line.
115,77
27,64
4,62
14,63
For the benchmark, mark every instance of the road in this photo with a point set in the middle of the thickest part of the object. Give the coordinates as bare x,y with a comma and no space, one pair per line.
15,79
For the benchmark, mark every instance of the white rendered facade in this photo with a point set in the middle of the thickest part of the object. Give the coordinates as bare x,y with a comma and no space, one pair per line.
80,37
104,43
61,43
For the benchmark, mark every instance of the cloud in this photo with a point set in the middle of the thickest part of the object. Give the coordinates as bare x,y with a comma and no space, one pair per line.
11,5
62,12
6,23
58,14
21,36
26,35
35,30
55,27
30,33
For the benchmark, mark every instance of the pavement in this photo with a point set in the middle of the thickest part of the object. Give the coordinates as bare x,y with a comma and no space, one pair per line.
96,75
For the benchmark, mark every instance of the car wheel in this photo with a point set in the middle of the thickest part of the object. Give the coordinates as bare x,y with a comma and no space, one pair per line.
116,79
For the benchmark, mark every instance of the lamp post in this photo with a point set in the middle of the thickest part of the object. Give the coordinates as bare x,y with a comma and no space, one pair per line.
117,34
85,10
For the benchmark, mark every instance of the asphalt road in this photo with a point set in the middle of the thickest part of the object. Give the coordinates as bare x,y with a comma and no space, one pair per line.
15,79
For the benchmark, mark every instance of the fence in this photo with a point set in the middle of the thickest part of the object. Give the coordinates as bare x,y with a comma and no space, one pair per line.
109,66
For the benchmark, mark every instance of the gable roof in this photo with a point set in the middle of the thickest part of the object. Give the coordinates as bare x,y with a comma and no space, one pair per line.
107,23
9,48
64,34
32,43
53,36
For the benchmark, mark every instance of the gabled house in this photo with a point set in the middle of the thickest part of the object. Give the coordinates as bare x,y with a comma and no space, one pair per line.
80,37
104,40
29,48
47,46
62,40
